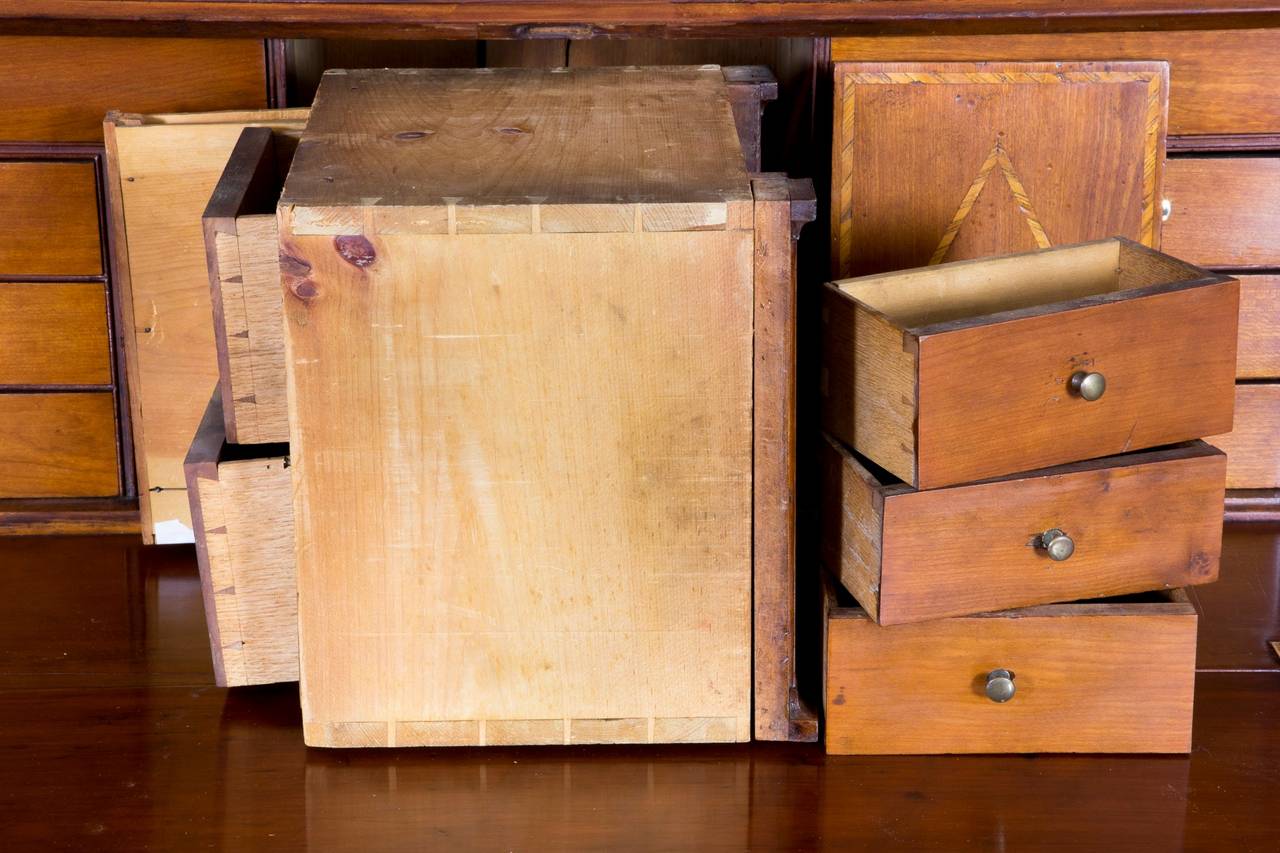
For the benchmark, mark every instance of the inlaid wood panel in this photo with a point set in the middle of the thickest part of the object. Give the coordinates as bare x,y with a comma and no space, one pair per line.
1224,211
54,334
937,162
57,89
49,219
58,445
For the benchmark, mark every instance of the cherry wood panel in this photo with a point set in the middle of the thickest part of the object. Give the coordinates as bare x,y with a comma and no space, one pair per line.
1220,81
49,219
58,445
58,89
1253,445
1089,677
54,334
1258,353
1225,211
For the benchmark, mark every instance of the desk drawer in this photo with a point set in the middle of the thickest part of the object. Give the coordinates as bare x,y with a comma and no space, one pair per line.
1258,354
1102,676
54,334
1253,447
58,445
1223,211
49,219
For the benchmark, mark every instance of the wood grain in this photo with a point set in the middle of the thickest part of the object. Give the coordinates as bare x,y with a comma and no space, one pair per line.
1258,352
1253,446
242,511
62,87
1215,84
997,341
1225,211
161,171
1091,677
1003,157
1139,522
54,334
69,517
49,219
58,445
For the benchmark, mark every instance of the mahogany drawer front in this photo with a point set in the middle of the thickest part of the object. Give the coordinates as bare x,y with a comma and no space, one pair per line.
1136,522
1223,211
1218,79
54,334
58,445
1258,353
1091,677
1253,447
73,82
49,219
963,371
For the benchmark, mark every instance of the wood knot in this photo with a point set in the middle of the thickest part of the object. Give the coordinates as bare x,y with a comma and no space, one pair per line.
291,265
511,130
355,249
304,289
411,135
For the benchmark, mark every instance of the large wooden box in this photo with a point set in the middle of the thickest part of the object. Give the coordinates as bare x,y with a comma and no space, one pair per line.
521,323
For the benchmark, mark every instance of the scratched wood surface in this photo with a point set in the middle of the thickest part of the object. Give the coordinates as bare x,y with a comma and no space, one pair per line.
936,162
997,341
1102,676
522,461
161,171
1139,522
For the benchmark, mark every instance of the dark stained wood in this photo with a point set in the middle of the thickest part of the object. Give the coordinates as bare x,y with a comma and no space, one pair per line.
1240,614
937,161
58,445
54,334
73,82
49,219
77,516
1220,80
1225,211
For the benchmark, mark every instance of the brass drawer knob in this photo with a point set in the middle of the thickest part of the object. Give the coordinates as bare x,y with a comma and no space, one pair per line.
1057,544
1090,386
1000,685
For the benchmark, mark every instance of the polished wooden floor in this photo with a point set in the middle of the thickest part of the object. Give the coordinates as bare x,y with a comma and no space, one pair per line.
112,736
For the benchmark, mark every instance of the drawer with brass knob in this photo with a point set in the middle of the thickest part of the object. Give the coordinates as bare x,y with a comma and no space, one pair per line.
958,372
1123,524
1110,675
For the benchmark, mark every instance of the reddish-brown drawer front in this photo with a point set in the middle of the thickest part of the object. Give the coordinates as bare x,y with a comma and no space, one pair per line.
1089,677
49,219
1253,447
64,86
1223,211
1258,355
58,445
54,334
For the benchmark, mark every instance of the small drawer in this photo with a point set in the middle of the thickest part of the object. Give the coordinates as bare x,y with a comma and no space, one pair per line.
1258,355
963,371
1223,211
58,445
49,219
242,512
1090,529
1114,675
54,334
1253,447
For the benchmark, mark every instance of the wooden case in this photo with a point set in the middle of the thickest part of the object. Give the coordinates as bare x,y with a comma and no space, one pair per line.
497,307
242,513
1138,522
963,371
1115,675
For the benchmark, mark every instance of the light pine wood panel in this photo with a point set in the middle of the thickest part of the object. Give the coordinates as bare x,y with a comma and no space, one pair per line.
242,511
58,445
1225,211
1090,677
1253,445
1220,81
54,334
161,172
49,219
1258,353
58,89
1140,521
938,162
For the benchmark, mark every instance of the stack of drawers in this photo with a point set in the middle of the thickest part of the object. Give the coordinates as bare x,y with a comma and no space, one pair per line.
1016,493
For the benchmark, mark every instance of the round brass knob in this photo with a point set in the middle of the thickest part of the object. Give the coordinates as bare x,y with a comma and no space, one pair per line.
1000,685
1090,386
1057,544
